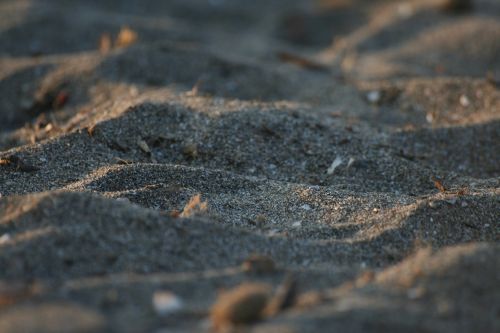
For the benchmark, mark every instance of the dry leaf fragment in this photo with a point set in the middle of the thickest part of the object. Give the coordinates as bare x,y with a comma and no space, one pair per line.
91,130
364,278
239,306
309,299
175,213
258,264
126,37
439,185
14,292
194,206
301,61
17,163
195,89
60,100
105,43
122,161
190,151
490,79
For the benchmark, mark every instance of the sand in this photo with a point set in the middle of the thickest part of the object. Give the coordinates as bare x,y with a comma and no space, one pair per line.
354,143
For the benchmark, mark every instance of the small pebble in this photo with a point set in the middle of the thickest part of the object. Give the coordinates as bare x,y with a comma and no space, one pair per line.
165,302
429,117
306,207
374,96
464,101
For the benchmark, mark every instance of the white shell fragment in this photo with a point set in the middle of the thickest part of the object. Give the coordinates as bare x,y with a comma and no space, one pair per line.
4,238
335,164
351,162
144,146
165,302
464,101
373,96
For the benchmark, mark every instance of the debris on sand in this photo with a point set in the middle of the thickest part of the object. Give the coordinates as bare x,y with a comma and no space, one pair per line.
301,61
464,101
126,37
456,6
190,151
242,305
373,96
335,164
144,146
105,43
439,185
5,237
60,100
91,130
351,161
14,292
165,302
386,96
18,164
258,264
194,207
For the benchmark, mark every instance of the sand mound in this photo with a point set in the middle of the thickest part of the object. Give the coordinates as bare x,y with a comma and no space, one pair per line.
468,47
428,291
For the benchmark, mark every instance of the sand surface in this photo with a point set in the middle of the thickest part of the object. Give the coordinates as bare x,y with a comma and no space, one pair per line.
354,143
